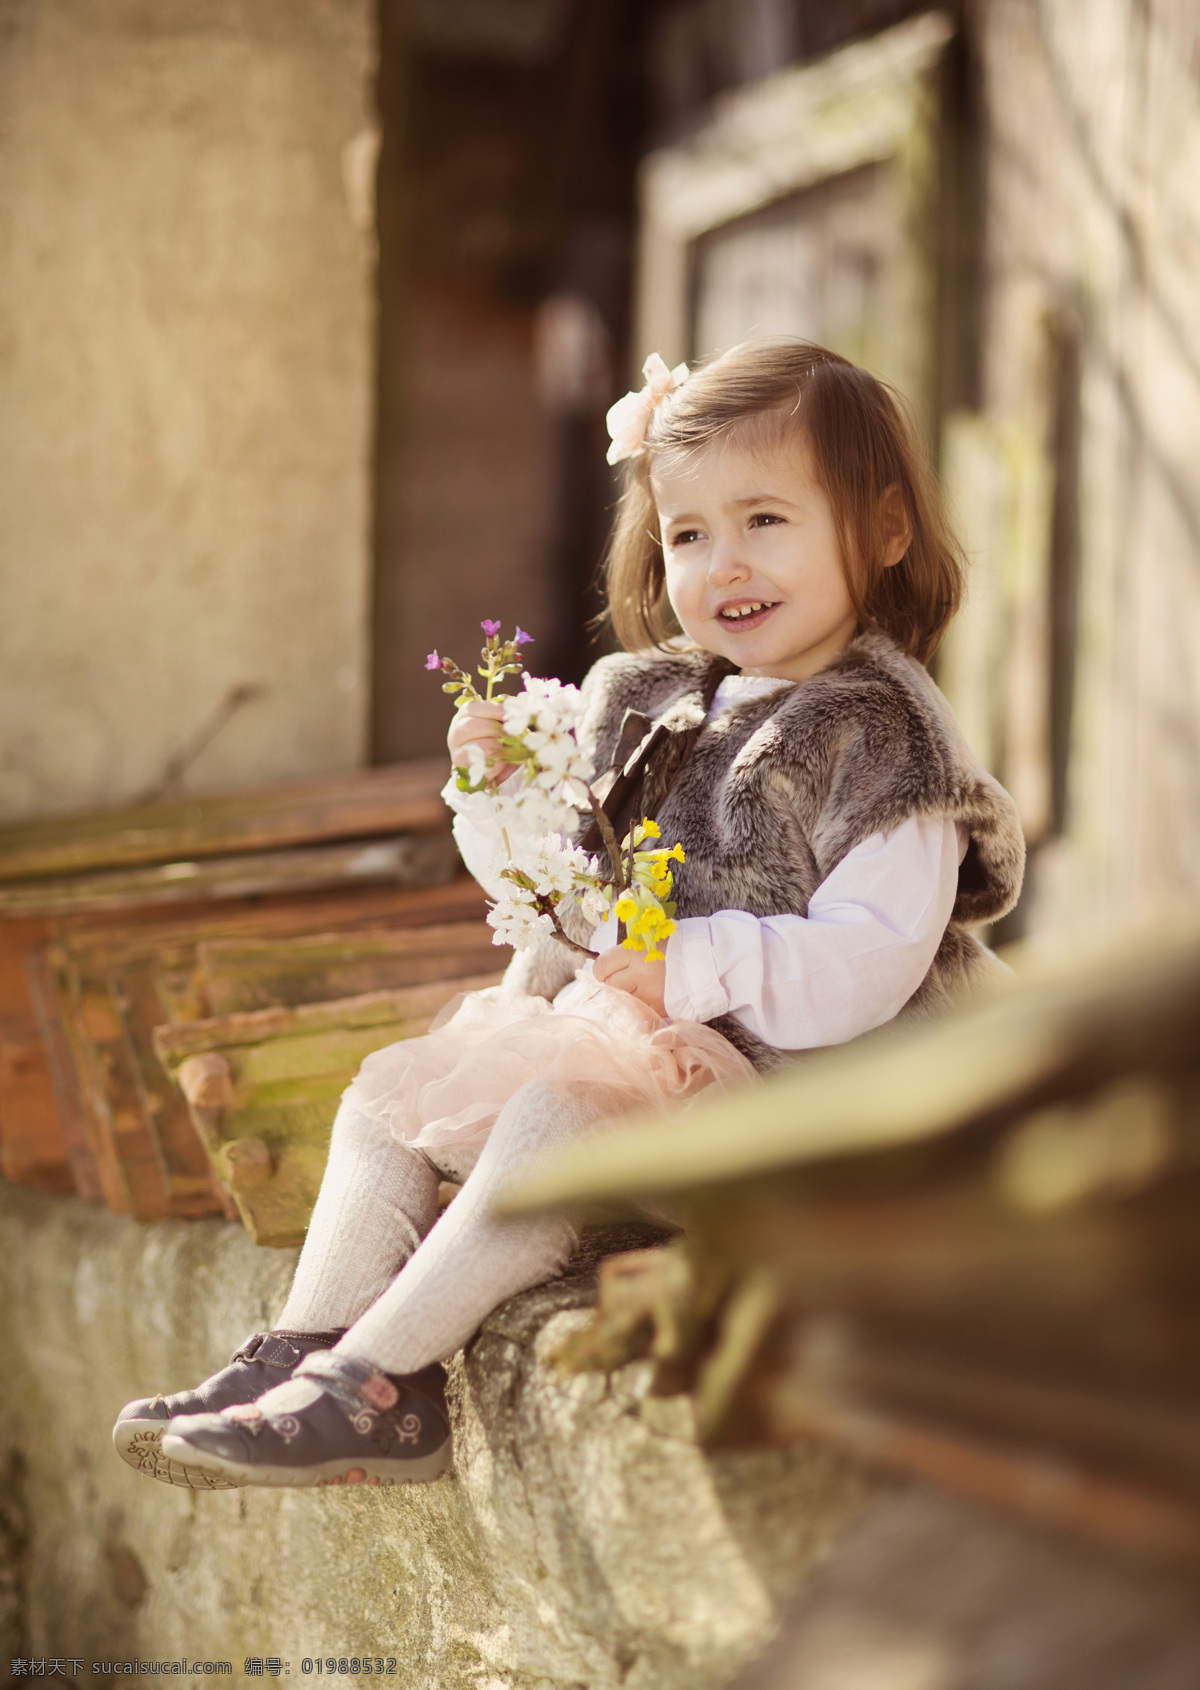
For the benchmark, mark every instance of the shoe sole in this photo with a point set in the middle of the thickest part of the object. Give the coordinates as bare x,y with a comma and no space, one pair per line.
418,1470
139,1443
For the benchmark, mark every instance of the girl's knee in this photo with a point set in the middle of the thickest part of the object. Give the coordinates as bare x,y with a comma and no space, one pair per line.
352,1127
536,1115
357,1134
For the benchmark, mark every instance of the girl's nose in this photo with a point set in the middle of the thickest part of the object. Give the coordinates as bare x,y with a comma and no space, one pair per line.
726,564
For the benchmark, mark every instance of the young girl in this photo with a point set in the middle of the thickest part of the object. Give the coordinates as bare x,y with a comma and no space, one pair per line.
779,574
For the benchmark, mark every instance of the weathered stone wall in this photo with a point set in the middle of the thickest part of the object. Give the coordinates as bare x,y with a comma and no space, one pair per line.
581,1538
1092,226
186,326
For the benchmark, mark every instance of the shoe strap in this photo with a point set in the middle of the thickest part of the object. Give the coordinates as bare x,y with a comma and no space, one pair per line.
256,1344
356,1383
348,1380
328,1339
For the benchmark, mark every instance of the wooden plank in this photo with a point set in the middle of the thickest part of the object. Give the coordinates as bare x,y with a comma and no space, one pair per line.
148,964
149,971
248,1029
272,916
191,1186
404,861
179,983
1027,1480
71,1112
111,1093
966,1251
108,942
1130,1005
243,975
31,1142
114,1097
1136,1433
362,804
264,1086
70,1002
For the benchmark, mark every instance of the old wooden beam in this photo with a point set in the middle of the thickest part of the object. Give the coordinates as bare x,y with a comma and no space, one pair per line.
254,974
263,1089
1127,1007
361,804
406,861
966,1250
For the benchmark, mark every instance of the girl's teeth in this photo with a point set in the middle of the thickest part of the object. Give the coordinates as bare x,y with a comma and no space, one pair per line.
743,610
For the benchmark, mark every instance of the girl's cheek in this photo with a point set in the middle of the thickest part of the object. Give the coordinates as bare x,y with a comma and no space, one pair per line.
677,597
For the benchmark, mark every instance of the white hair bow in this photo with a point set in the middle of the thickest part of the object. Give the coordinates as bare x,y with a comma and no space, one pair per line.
629,418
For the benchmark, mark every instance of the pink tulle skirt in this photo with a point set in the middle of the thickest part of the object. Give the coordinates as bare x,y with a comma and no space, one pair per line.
447,1087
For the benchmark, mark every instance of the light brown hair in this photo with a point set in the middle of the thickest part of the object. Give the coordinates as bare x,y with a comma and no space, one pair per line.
861,442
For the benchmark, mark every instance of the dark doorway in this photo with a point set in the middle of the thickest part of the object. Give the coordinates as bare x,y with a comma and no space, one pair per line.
512,131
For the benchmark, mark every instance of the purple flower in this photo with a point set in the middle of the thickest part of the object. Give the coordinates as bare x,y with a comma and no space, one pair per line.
433,661
521,637
491,629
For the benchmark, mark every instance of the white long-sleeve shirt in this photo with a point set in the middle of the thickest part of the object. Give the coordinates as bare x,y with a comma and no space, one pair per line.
799,982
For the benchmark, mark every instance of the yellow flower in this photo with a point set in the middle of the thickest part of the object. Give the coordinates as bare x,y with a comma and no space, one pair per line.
640,906
651,926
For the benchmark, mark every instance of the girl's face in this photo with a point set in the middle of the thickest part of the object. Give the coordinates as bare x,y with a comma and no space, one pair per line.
754,568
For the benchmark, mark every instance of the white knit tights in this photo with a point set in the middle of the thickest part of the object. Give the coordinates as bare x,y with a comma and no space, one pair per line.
409,1290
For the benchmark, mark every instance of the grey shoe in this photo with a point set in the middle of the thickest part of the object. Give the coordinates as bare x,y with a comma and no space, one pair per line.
384,1428
266,1359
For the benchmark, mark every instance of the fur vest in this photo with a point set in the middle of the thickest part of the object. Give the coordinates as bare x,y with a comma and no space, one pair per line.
778,789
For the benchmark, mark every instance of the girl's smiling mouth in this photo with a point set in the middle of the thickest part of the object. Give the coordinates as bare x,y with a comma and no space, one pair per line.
746,613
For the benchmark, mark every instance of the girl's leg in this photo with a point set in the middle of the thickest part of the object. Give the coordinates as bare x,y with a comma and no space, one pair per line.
354,1417
377,1201
472,1259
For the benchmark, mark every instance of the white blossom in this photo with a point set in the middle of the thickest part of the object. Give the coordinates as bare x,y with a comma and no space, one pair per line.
593,902
517,920
539,810
535,810
543,703
549,863
556,753
480,806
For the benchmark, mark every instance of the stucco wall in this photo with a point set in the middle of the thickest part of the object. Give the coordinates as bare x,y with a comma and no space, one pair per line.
186,327
581,1538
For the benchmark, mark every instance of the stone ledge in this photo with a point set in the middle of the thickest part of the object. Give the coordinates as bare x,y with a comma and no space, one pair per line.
581,1539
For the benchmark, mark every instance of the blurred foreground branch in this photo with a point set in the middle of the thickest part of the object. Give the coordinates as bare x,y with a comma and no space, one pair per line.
966,1250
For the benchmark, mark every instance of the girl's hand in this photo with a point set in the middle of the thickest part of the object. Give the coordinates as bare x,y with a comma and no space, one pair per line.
629,971
478,723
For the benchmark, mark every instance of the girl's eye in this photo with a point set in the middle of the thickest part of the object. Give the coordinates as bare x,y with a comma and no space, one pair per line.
685,537
764,519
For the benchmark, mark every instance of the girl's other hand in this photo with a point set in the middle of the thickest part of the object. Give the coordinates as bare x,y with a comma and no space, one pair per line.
478,723
629,971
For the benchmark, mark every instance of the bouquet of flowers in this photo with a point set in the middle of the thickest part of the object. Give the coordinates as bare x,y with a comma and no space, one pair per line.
540,807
